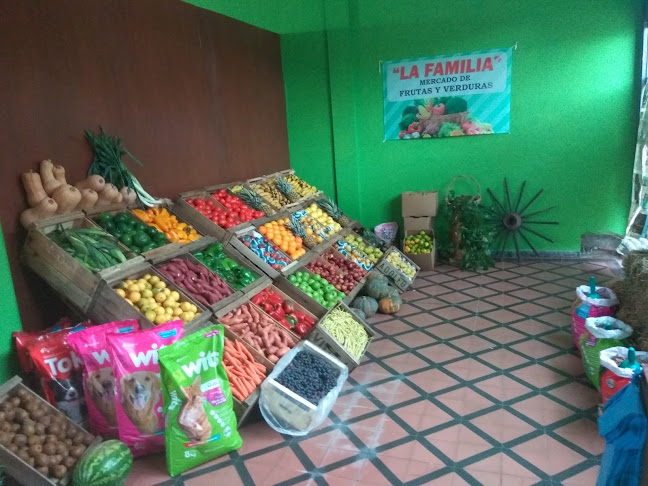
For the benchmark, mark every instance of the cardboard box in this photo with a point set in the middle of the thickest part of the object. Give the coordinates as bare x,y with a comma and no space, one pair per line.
420,203
424,260
418,223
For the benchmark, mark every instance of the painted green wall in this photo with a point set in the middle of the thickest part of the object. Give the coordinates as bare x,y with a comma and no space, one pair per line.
10,316
573,113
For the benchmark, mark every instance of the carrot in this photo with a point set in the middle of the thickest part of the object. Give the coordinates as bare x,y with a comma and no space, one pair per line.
244,350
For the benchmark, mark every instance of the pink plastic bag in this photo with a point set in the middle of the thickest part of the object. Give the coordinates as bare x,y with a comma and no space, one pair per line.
137,376
607,305
98,378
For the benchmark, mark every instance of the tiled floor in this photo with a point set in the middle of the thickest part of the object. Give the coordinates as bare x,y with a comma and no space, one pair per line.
473,383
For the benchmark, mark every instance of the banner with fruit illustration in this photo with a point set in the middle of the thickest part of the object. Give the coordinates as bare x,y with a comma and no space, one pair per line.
448,96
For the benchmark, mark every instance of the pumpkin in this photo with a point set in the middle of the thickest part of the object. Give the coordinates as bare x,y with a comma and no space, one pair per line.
44,209
377,288
106,464
390,305
33,187
366,304
67,197
359,313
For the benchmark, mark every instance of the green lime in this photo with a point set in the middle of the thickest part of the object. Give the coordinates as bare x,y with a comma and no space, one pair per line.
293,279
317,277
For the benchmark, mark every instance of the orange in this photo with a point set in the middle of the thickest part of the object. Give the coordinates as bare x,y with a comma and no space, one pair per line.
263,230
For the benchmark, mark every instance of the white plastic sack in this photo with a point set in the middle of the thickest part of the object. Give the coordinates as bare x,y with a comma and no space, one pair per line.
283,413
596,327
608,362
608,298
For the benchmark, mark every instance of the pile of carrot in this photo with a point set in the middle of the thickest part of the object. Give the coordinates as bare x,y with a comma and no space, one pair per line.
243,372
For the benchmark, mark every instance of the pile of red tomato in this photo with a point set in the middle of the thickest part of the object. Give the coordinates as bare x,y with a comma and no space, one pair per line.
219,215
234,204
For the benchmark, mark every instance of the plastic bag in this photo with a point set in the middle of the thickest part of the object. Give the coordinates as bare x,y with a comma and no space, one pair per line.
98,378
614,377
199,418
139,391
287,412
598,337
607,305
386,232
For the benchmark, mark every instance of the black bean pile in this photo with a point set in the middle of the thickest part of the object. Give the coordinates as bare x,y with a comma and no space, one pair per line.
309,376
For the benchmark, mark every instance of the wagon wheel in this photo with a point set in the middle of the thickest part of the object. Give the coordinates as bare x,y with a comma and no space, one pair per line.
510,220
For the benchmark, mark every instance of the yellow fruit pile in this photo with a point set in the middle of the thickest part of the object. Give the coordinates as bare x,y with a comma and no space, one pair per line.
151,296
280,235
330,225
268,190
300,186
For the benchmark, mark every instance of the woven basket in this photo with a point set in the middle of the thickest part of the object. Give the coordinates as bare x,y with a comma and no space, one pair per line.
476,198
457,118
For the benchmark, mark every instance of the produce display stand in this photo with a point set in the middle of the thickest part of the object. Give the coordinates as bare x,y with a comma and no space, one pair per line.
394,274
91,214
258,262
227,186
288,406
198,220
108,306
42,247
354,292
298,306
252,183
295,293
14,465
321,338
302,199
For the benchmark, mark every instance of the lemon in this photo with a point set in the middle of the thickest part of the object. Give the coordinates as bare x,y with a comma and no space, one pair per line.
159,310
134,297
177,311
168,310
169,303
161,297
154,279
151,315
175,296
159,285
133,288
147,293
120,292
194,308
147,276
129,302
186,307
167,291
160,319
187,316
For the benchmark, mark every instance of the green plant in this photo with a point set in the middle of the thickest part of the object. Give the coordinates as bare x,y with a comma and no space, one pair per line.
476,234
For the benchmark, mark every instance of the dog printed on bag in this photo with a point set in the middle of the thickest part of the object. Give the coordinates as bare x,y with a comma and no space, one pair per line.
137,375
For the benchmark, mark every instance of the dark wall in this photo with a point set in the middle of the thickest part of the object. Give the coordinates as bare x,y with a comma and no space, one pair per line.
196,96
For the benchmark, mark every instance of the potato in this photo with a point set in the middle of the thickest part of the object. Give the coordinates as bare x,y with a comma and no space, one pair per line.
9,415
38,414
6,406
5,427
46,420
2,417
24,455
30,406
13,448
40,429
35,449
20,414
87,439
58,471
55,459
50,438
20,440
77,451
78,438
15,427
49,448
29,430
69,462
61,448
44,470
42,460
23,394
72,432
31,461
68,442
34,440
15,401
54,429
6,438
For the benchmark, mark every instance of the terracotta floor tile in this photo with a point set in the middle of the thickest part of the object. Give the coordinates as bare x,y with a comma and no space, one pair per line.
432,380
580,396
559,319
440,278
475,323
468,369
487,471
455,298
482,279
258,436
227,475
504,287
450,313
407,469
502,425
480,292
472,344
542,409
528,309
439,353
547,454
353,405
422,415
528,294
554,302
502,300
503,316
422,320
503,275
532,327
476,306
549,288
446,331
384,347
434,290
149,470
414,339
584,434
430,303
458,442
567,363
407,309
503,359
405,363
371,476
393,392
535,349
502,335
464,401
369,373
452,479
351,472
589,476
274,467
377,431
412,295
560,339
503,388
459,284
538,375
525,281
391,327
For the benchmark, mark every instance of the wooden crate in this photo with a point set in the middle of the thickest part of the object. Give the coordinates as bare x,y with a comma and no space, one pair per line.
18,469
227,186
170,207
320,337
198,220
296,294
351,295
66,289
108,306
286,405
297,305
217,305
114,209
258,261
394,274
43,247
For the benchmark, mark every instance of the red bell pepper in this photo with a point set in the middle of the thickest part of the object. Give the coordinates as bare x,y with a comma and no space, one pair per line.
292,320
276,316
259,298
274,298
286,324
288,307
276,308
267,307
301,329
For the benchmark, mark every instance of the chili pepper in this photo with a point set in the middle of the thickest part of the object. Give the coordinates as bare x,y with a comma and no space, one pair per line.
288,307
301,329
292,320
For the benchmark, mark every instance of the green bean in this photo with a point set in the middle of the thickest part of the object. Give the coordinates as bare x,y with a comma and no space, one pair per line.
343,327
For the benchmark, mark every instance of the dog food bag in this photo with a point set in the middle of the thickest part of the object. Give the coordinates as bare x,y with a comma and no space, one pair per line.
23,339
200,420
603,303
614,377
138,392
60,373
98,378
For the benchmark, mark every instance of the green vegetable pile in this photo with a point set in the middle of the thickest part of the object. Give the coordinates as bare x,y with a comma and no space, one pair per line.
234,274
92,247
137,236
343,327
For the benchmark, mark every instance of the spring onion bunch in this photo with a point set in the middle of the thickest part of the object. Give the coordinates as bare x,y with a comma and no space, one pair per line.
107,162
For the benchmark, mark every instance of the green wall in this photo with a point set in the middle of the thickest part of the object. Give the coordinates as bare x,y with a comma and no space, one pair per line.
573,112
10,316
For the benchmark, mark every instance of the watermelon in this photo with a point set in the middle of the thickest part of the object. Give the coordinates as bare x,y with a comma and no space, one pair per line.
107,464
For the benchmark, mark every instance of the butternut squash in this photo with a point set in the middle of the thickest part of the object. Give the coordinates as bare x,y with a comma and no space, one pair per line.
94,182
130,196
50,184
59,173
88,199
33,187
107,195
44,209
67,197
118,199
